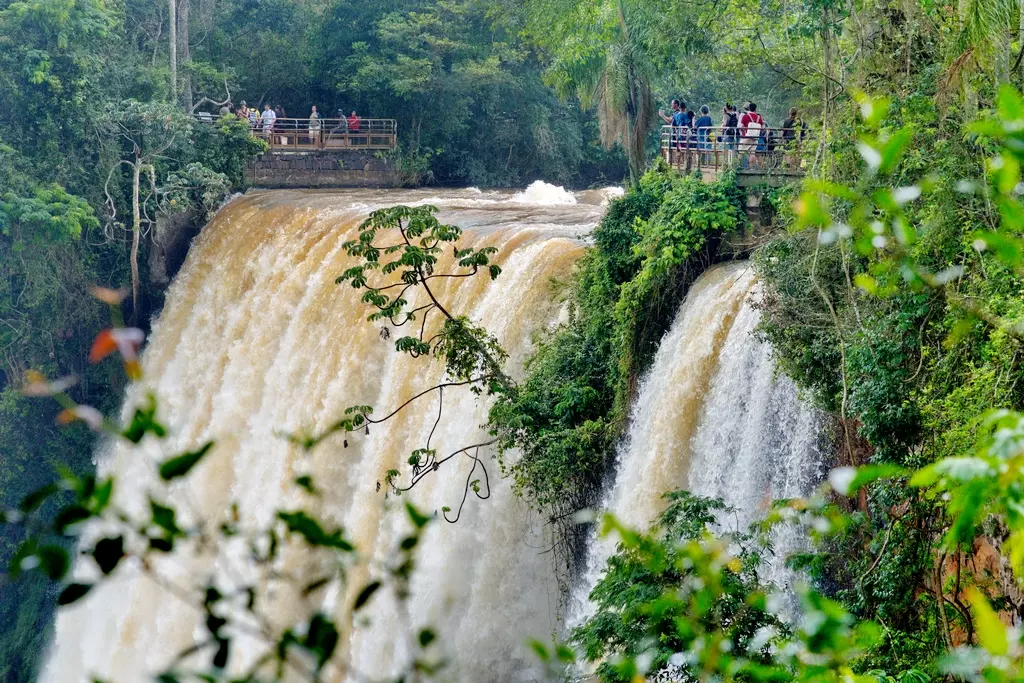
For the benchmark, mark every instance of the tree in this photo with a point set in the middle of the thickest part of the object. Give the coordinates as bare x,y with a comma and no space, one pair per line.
150,131
600,53
172,21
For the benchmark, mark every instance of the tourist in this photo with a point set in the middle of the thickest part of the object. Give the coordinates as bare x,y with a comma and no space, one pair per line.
790,138
269,117
752,132
681,122
243,111
314,126
354,124
730,130
680,118
254,117
703,125
225,109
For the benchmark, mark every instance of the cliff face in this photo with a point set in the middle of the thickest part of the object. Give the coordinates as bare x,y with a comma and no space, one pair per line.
169,244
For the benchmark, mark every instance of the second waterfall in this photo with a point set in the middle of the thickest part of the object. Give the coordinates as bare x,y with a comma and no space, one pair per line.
713,417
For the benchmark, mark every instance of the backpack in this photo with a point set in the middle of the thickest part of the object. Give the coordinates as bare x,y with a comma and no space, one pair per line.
732,120
756,124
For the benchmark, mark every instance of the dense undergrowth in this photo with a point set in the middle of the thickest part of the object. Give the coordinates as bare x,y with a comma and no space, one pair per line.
911,371
571,409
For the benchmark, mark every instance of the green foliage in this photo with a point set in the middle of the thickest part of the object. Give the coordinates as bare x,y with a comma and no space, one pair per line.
467,94
636,613
568,413
226,147
895,303
49,216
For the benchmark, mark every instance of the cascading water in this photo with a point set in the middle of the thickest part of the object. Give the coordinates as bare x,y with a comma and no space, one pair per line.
712,417
255,339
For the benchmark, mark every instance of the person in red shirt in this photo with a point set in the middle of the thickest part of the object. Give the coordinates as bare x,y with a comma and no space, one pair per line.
353,128
752,128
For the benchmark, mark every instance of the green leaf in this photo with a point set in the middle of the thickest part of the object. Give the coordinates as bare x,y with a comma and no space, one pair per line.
69,517
365,594
306,482
321,639
108,552
73,593
165,518
847,481
426,637
181,465
33,500
53,561
418,519
307,527
991,632
144,422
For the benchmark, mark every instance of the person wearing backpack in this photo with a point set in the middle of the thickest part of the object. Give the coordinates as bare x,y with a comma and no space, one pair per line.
752,130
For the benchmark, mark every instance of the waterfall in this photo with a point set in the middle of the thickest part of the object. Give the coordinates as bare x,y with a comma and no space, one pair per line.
713,417
256,338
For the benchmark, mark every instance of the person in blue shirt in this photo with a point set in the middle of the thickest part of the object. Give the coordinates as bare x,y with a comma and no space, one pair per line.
680,117
703,125
681,122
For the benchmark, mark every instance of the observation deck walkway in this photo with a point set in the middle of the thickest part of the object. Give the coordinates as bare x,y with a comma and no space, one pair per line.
774,157
299,135
324,153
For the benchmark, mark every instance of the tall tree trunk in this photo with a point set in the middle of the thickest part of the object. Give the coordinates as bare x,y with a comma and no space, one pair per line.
136,232
186,53
173,21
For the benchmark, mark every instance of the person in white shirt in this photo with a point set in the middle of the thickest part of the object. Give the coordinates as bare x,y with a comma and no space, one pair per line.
314,126
268,119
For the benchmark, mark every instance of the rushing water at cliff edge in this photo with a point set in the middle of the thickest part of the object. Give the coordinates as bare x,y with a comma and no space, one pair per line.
257,339
713,417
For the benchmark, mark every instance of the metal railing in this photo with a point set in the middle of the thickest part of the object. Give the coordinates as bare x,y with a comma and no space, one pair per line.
716,149
286,134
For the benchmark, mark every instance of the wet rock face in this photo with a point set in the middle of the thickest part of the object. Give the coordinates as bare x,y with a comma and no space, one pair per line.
172,236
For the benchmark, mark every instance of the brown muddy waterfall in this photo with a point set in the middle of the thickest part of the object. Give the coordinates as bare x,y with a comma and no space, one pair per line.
256,340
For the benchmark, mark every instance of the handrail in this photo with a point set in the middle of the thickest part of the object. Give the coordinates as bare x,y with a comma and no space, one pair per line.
714,149
294,134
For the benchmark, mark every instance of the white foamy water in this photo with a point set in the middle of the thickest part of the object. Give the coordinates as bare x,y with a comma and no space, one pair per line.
544,194
712,417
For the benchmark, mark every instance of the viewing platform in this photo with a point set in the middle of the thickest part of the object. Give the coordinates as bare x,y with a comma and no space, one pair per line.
303,135
774,158
324,153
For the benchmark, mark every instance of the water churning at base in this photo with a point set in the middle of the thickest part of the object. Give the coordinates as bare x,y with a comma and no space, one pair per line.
712,417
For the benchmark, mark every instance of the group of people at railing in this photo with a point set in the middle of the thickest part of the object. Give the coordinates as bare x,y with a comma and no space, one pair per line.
744,137
271,119
313,131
